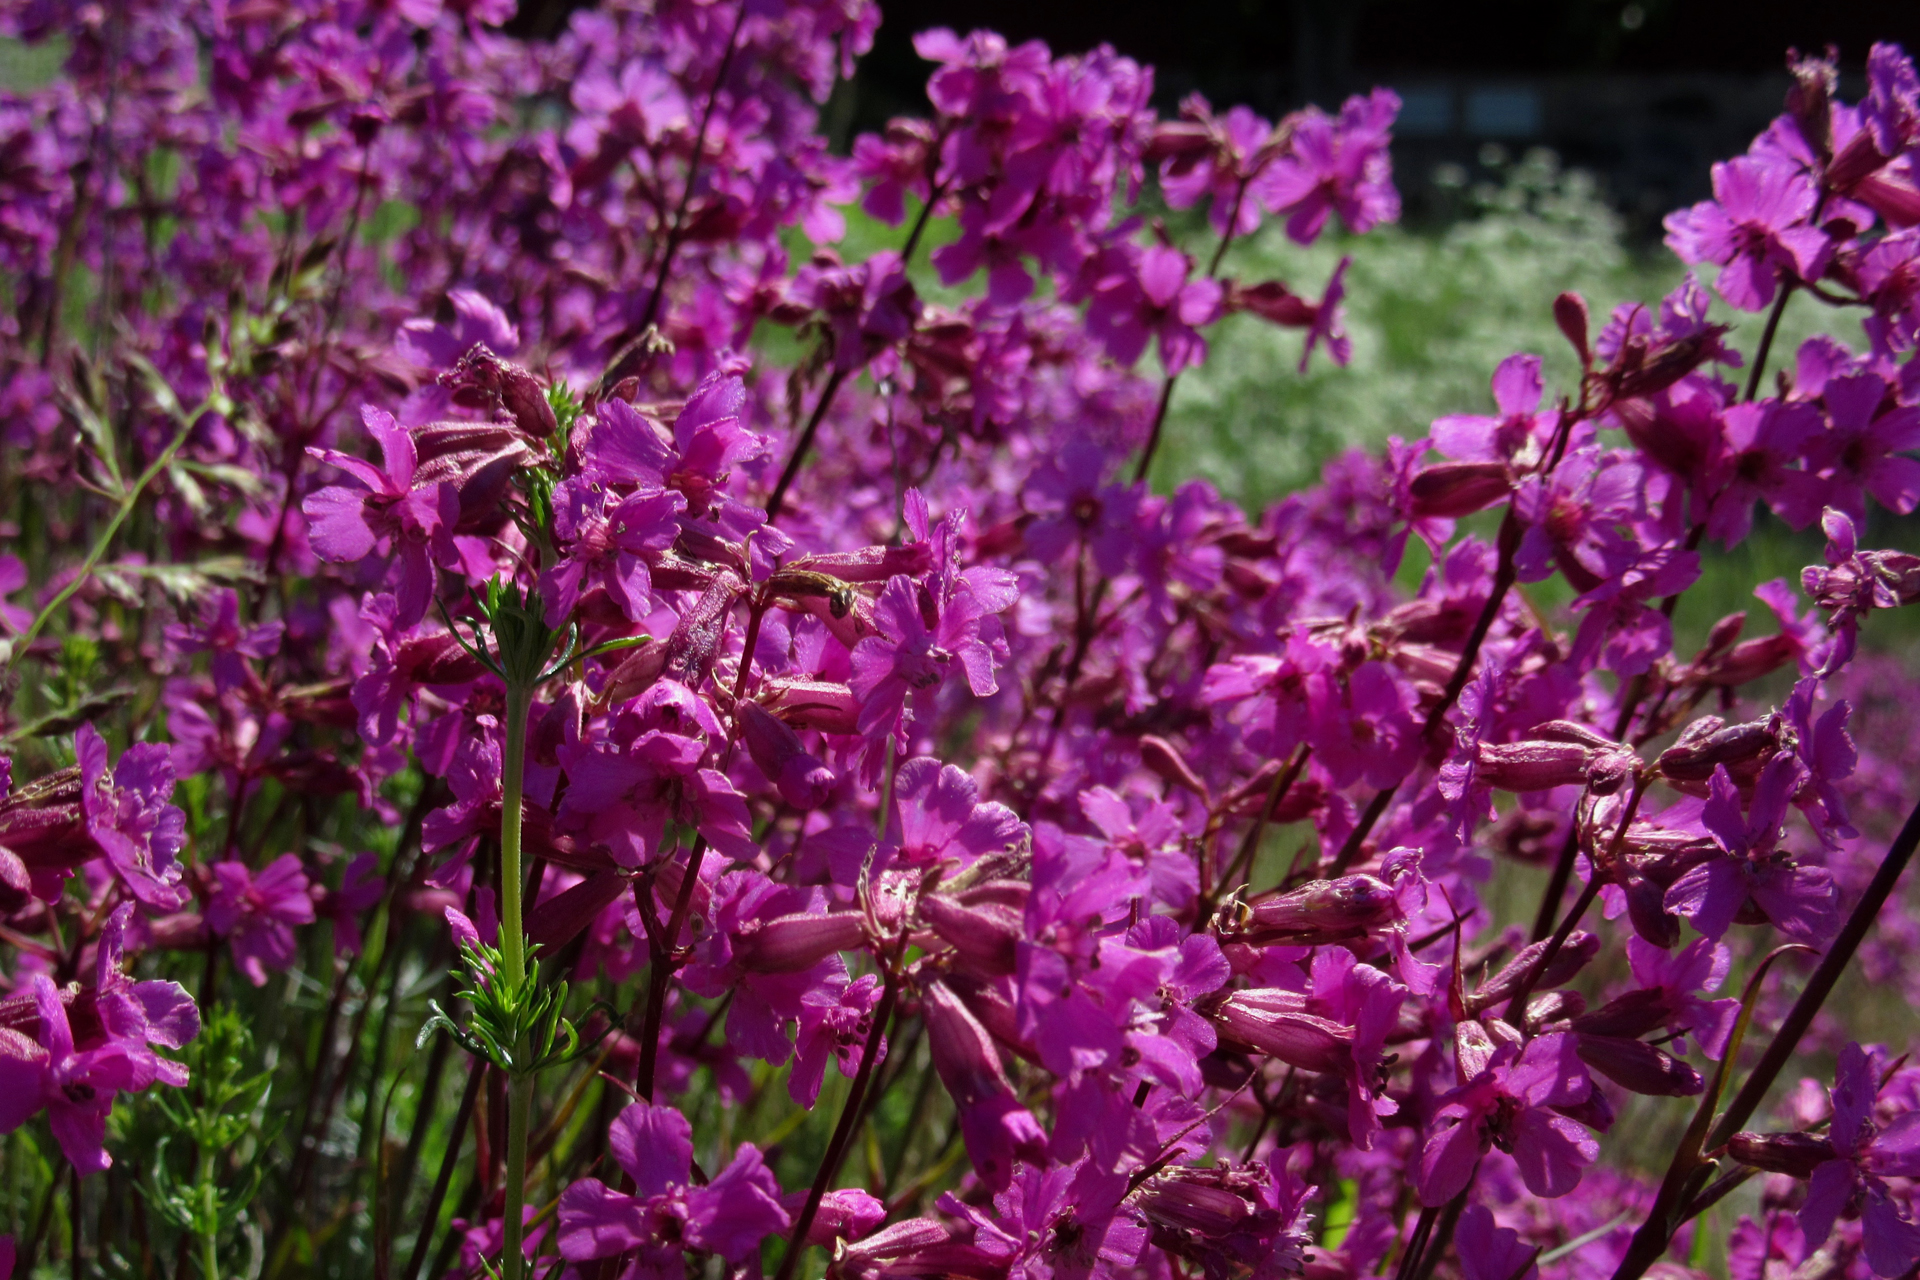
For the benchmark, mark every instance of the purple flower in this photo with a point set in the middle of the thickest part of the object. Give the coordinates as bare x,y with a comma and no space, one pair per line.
1799,900
140,1014
665,1215
1337,165
607,542
1055,1223
476,321
1855,583
1359,726
1216,156
1701,965
1863,1154
219,633
1574,517
256,914
938,817
1755,228
348,524
1867,432
924,629
75,1087
768,990
709,440
1519,436
835,1019
1154,299
1508,1098
1764,442
128,816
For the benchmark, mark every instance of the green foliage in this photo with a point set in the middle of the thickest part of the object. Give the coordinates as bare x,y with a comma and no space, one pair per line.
205,1171
520,1028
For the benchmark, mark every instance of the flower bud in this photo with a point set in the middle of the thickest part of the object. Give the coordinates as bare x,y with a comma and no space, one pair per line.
636,672
1638,1066
16,886
557,920
481,378
825,705
694,646
1632,1015
1580,947
1695,756
1794,1154
841,1215
867,564
995,1126
804,782
1273,1022
1570,313
793,943
1531,766
1749,661
1207,1202
1647,909
1458,488
985,937
1810,101
1321,911
1165,760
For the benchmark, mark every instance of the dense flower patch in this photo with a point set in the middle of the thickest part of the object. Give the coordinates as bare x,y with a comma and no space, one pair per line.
462,511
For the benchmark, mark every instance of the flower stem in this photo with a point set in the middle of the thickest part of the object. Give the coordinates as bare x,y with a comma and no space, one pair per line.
1656,1233
513,944
513,757
513,1255
850,1115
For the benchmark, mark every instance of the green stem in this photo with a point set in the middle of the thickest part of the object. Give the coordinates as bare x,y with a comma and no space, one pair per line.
513,945
209,1218
519,1107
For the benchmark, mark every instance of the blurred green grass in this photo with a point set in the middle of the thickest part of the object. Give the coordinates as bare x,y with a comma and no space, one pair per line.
1432,311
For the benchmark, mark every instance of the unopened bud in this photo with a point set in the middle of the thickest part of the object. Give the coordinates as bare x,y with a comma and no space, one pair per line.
825,705
1632,1015
1794,1154
1166,761
1638,1066
1272,1022
1570,313
841,1215
1647,909
867,564
1810,99
16,886
1458,488
1531,766
1321,911
791,944
804,782
694,646
985,937
1203,1202
1749,661
1579,948
1694,758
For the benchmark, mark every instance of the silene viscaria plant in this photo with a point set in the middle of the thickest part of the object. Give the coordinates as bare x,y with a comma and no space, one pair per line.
561,719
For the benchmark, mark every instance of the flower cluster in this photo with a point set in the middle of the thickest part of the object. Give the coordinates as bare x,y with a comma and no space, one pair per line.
466,441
